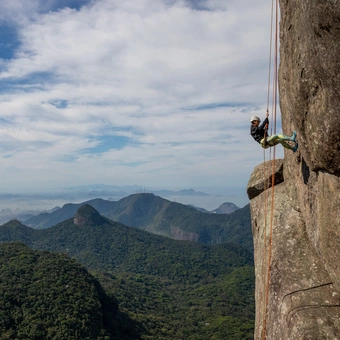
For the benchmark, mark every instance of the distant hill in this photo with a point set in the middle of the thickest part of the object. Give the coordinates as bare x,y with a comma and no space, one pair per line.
50,296
160,216
49,219
226,208
114,190
171,289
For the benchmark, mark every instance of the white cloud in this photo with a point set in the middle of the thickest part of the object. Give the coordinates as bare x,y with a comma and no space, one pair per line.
17,10
180,83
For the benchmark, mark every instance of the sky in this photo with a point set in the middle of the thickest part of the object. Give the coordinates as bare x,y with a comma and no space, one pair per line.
156,93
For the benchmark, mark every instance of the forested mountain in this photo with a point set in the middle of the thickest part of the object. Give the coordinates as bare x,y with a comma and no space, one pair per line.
50,296
99,243
175,289
162,217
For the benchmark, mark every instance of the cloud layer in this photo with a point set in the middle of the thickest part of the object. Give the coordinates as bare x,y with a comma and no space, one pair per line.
155,93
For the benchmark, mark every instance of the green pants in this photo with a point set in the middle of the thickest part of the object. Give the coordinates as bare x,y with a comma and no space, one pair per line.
277,139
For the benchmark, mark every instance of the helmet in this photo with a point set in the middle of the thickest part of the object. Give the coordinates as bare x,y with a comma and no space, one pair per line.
255,118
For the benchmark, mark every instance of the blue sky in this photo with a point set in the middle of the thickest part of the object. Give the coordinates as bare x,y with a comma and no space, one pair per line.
156,93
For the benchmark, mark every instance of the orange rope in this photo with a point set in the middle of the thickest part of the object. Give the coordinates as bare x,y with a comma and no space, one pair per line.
270,52
275,90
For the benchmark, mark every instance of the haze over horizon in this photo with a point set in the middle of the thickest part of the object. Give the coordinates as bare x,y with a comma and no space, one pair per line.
153,93
209,199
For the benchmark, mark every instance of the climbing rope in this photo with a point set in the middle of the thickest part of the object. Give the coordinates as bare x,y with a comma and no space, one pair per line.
274,106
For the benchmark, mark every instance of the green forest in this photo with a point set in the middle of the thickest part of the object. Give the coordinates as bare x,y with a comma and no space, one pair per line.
216,308
50,296
147,286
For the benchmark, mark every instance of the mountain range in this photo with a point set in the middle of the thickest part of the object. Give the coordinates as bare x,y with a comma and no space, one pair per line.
100,190
126,190
114,243
162,217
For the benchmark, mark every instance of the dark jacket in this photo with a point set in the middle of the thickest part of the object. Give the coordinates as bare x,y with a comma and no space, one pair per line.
258,132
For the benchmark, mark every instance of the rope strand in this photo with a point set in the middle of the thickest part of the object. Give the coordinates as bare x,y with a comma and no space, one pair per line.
274,106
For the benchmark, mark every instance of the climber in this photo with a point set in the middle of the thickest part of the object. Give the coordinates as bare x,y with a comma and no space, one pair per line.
259,133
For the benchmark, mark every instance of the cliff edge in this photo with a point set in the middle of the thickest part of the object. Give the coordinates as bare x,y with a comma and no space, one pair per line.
304,289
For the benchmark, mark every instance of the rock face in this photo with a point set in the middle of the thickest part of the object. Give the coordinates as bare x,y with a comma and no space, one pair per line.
304,236
310,78
181,235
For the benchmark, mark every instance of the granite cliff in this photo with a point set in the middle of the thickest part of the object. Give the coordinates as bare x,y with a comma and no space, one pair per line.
304,289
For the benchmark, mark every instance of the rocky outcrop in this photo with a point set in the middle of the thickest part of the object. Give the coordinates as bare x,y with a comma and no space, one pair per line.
88,216
262,177
304,289
303,301
181,235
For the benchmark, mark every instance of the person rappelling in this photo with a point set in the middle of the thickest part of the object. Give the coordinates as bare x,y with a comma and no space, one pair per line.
259,133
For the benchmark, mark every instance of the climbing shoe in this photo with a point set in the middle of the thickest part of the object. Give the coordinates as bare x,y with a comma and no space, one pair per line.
293,138
295,147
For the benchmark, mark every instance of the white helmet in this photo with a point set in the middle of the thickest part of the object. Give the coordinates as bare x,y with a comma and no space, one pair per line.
255,118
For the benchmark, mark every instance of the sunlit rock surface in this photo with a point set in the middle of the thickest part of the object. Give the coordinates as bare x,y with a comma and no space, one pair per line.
304,289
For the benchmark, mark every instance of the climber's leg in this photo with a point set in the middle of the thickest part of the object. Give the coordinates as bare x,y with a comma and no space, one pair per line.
290,147
275,139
